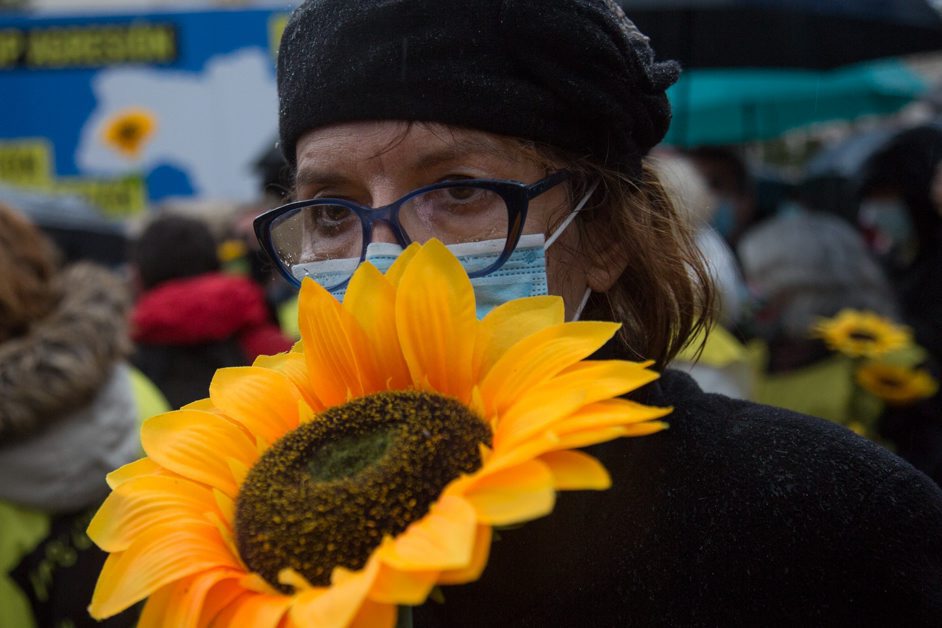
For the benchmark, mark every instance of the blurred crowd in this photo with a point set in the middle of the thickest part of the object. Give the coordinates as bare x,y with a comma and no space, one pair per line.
98,334
846,253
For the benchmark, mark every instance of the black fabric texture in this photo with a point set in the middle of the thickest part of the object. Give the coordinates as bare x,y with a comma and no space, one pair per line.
737,515
577,75
183,372
59,575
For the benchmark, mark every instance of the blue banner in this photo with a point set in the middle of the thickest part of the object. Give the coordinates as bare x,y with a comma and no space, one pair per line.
128,110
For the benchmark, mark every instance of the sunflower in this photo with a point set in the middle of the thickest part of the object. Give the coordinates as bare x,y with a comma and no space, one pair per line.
328,485
896,384
862,334
128,130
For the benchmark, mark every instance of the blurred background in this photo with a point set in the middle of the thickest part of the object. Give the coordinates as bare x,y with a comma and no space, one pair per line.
805,150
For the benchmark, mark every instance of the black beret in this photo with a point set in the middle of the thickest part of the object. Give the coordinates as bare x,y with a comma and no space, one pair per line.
575,74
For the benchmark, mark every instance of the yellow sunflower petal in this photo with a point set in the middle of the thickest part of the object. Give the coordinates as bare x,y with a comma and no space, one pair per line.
337,606
263,401
374,615
203,405
564,410
435,309
574,470
257,610
540,356
442,539
197,445
152,616
144,466
594,436
482,548
294,366
159,556
219,597
610,413
507,323
371,300
536,414
143,502
335,348
402,587
606,379
181,604
394,274
512,495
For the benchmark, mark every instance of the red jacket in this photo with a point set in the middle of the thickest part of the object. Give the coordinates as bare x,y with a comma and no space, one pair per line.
206,308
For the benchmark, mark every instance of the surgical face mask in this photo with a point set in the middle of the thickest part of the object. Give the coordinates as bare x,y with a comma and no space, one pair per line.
522,275
888,229
724,218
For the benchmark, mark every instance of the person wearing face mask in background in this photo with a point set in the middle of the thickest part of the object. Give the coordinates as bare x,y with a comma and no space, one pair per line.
903,226
729,179
723,365
489,124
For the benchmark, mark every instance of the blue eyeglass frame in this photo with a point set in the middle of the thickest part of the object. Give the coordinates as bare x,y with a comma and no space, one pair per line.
516,196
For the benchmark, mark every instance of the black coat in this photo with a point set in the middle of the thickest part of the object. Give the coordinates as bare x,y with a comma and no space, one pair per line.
737,515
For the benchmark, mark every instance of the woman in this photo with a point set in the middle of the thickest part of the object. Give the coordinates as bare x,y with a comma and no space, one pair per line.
406,120
69,411
902,224
191,318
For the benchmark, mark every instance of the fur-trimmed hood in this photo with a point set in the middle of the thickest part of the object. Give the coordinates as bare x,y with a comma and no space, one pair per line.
65,358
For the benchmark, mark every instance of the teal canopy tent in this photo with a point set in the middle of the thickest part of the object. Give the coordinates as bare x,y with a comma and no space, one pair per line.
728,106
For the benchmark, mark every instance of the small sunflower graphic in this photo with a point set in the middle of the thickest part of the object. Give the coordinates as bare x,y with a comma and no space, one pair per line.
129,130
328,485
895,384
862,334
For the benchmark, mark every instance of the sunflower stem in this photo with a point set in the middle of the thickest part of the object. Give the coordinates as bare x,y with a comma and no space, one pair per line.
404,617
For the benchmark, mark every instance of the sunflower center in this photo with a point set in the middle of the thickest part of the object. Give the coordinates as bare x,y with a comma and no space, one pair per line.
862,336
888,381
128,132
327,493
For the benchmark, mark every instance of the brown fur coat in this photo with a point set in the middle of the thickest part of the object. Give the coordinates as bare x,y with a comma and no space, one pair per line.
66,357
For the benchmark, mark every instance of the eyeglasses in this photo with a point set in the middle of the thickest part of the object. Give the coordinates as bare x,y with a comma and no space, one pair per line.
326,238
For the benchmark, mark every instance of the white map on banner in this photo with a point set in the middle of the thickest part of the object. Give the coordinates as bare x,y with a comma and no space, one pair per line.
211,125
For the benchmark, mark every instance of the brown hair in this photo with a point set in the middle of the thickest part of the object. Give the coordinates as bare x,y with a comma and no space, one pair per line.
27,267
664,297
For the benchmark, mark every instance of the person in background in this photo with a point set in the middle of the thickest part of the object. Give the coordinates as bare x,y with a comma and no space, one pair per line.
902,225
739,514
69,414
730,181
190,318
722,366
806,266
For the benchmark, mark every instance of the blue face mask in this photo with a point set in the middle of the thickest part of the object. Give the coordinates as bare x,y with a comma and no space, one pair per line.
724,218
522,275
889,230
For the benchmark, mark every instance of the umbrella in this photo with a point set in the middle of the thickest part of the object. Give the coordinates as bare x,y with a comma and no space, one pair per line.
833,177
730,106
813,34
79,230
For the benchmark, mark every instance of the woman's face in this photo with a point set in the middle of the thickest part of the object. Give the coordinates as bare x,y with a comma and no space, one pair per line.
376,163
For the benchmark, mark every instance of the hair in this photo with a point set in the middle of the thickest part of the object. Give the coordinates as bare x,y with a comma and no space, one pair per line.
665,296
174,247
28,263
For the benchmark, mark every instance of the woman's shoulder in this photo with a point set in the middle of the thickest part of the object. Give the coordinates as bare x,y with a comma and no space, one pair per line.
772,448
771,469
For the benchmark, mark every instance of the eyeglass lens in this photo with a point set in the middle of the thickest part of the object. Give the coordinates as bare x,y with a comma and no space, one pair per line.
325,241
